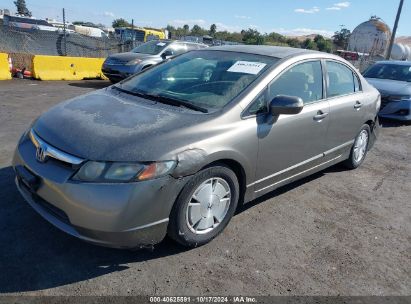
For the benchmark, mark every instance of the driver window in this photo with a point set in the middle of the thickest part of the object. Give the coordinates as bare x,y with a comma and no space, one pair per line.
304,80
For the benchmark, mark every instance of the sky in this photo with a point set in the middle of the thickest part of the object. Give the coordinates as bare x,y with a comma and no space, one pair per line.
292,17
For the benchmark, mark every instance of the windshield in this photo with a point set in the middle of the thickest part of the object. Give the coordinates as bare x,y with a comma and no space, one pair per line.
389,71
153,47
204,79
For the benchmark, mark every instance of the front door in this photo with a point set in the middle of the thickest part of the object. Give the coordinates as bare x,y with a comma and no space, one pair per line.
292,144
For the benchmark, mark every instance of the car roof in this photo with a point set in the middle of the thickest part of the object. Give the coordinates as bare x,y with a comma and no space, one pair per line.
180,41
396,62
265,50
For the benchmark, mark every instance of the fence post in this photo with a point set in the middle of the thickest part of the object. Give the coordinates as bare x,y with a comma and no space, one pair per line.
64,32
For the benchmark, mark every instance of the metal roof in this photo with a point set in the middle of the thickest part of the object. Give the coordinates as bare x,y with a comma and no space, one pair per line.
265,50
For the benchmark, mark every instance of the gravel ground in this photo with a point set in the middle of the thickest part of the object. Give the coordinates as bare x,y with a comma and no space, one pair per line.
335,233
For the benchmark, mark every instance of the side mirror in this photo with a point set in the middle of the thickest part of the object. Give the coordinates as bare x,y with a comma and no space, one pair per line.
167,54
283,104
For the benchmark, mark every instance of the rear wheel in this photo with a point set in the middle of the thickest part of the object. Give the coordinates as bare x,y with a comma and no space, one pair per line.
359,149
205,206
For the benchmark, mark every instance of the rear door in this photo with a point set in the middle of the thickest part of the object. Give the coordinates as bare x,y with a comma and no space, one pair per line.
346,100
291,144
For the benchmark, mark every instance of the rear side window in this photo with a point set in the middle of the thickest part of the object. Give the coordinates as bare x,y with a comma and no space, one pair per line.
178,48
341,80
191,47
303,80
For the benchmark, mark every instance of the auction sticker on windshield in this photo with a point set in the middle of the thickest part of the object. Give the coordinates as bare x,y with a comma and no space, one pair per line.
247,67
161,44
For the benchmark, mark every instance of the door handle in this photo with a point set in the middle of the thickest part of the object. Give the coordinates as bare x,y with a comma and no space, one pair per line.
358,105
320,116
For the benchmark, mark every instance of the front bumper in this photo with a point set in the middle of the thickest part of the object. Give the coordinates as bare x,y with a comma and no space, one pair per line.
128,215
396,110
120,72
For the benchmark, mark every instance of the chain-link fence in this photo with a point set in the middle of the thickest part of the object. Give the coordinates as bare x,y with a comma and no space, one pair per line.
22,45
37,42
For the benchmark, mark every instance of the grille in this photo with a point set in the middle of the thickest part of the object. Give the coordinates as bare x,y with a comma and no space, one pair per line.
116,61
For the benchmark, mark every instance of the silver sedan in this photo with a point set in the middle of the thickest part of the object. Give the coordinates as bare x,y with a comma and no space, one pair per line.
169,151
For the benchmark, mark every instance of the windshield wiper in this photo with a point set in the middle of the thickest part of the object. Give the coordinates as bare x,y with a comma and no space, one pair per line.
134,93
177,102
163,99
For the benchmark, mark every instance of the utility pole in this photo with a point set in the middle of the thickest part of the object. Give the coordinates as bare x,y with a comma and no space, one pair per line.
64,32
394,32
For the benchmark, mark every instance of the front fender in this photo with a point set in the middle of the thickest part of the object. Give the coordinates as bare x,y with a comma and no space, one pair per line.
191,161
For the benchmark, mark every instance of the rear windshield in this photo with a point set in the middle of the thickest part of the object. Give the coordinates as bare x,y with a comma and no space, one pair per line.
153,47
207,79
389,71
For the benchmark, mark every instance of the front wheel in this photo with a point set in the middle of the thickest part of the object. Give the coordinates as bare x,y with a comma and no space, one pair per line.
205,206
359,149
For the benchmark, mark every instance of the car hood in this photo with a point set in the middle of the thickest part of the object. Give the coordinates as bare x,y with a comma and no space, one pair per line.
390,87
108,125
126,57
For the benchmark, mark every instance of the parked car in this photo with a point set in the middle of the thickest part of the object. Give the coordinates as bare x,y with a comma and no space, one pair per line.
393,80
119,66
169,151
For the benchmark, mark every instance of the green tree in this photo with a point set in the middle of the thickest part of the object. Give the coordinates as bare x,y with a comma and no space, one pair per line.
252,36
309,44
120,23
198,31
341,37
323,44
22,8
293,42
213,30
171,31
275,39
186,28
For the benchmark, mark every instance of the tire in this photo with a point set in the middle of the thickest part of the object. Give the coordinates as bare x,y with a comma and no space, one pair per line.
354,161
188,223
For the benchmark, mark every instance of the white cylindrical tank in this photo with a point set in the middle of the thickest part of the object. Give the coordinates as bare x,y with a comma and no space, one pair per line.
372,37
398,52
407,52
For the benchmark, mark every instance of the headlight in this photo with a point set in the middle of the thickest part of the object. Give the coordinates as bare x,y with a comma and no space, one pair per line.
116,172
134,62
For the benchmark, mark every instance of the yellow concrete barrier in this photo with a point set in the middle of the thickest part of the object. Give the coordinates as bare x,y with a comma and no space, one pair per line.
66,68
4,67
